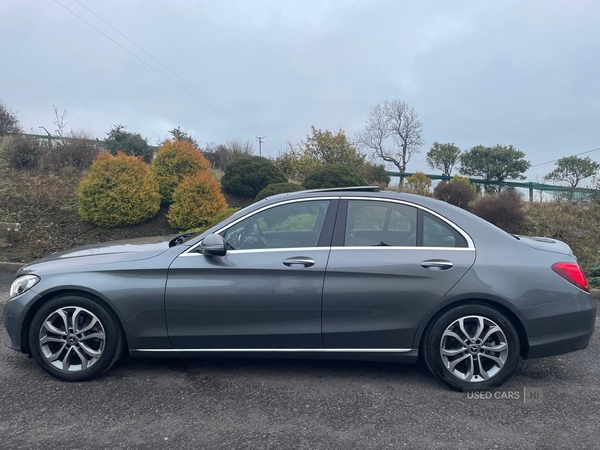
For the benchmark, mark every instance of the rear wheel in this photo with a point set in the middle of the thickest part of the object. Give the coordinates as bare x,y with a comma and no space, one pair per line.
472,347
75,338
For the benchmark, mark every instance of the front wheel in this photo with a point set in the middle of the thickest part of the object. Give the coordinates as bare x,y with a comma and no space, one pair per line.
472,347
75,338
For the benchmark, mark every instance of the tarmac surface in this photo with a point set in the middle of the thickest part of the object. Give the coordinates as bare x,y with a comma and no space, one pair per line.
295,404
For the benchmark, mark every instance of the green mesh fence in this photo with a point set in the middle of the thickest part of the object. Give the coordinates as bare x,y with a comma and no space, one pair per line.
559,191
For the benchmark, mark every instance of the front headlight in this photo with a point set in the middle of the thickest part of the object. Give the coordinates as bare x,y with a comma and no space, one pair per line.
23,284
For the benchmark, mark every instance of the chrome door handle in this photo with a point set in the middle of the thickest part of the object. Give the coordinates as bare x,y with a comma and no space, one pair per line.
437,264
305,261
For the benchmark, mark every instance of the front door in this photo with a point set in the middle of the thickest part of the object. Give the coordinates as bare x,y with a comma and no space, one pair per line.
265,293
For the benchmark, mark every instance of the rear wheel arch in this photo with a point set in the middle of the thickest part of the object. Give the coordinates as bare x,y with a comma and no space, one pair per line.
516,322
54,294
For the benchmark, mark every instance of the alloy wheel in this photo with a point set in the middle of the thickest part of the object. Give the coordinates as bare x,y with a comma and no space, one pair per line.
474,348
72,339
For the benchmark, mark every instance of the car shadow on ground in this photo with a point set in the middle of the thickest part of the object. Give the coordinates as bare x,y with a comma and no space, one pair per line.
226,373
548,371
280,367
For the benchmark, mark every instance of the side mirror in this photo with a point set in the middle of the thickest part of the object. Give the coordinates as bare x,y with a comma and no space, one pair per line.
213,245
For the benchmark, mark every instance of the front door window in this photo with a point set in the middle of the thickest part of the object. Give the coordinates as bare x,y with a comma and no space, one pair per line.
292,225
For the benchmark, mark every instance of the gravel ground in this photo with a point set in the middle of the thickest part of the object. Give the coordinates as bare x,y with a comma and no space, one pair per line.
284,404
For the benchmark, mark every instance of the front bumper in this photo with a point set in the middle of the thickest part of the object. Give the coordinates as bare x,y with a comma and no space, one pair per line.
559,327
9,343
15,314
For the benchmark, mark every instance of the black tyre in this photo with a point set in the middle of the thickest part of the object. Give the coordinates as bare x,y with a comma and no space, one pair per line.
75,337
472,347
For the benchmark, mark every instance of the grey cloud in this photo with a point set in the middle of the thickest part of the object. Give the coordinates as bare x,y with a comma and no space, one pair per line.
521,73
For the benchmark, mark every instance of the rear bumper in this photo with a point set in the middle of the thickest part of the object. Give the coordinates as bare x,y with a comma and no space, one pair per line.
559,327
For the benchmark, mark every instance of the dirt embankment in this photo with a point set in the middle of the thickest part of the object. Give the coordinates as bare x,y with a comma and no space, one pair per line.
45,206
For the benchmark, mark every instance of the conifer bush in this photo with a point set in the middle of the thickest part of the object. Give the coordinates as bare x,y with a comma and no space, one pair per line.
226,214
118,190
333,176
418,183
196,201
277,188
246,176
174,161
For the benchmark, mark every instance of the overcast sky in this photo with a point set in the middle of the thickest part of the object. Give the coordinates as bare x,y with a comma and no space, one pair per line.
525,73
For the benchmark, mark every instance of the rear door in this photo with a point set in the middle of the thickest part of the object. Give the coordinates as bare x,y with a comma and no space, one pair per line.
389,264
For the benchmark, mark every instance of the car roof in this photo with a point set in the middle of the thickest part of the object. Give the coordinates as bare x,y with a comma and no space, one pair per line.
354,191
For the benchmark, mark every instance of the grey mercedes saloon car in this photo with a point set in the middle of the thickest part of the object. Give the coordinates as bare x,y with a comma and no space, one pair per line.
342,273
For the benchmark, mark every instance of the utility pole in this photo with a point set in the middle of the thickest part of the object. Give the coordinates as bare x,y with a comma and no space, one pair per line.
259,139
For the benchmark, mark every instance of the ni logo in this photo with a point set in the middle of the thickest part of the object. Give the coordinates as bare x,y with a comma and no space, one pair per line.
533,395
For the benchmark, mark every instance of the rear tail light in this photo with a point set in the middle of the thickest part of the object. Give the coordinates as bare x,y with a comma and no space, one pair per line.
572,273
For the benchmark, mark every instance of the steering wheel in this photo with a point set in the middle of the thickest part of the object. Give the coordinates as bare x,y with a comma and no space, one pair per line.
259,234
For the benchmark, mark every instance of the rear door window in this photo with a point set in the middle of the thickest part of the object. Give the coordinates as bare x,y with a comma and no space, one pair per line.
437,233
374,223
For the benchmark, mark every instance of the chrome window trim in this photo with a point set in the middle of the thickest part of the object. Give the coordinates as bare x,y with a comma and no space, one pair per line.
391,247
260,250
220,230
314,249
317,350
470,243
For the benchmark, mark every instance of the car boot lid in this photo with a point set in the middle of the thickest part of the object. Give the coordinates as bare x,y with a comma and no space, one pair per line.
546,244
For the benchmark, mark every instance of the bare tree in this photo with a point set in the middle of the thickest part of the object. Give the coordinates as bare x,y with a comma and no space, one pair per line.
59,121
376,133
69,148
393,131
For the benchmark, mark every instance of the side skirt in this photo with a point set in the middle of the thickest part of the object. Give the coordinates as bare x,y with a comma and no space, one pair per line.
402,355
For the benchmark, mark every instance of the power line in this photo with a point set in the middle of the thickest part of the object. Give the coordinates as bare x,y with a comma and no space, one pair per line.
278,141
539,166
166,67
154,69
577,154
